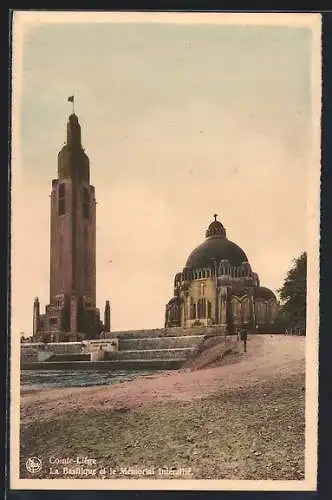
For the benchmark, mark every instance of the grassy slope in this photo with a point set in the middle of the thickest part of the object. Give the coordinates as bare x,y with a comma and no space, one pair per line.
251,433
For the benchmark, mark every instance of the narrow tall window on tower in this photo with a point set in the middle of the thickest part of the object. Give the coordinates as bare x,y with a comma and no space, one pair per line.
86,263
60,250
86,203
62,199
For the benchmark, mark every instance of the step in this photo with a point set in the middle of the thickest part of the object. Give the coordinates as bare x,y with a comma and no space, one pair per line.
29,357
160,342
178,353
132,364
45,355
69,357
146,364
166,332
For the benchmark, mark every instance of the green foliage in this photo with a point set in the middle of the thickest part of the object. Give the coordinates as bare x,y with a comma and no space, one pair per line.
293,294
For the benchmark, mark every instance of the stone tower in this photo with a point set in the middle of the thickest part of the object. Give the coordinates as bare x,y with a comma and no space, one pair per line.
107,317
36,315
71,314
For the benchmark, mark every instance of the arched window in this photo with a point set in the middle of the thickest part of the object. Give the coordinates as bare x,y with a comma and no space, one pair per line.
193,311
246,309
209,311
272,309
201,308
260,310
236,308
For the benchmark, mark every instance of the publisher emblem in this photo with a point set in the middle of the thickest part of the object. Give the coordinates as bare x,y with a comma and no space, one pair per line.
33,464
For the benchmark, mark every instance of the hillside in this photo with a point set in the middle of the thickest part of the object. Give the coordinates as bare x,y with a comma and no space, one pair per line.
243,419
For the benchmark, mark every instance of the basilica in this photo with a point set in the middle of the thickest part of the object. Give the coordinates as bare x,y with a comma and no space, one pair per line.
217,286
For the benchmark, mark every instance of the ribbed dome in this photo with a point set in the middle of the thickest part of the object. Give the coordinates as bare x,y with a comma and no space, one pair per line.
215,229
261,292
216,247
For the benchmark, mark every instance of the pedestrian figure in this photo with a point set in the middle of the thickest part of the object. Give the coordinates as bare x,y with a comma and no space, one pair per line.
244,335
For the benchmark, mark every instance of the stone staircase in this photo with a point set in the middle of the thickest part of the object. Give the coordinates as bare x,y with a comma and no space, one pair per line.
156,349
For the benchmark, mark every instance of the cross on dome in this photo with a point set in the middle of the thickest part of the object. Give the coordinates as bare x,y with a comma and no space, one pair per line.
215,229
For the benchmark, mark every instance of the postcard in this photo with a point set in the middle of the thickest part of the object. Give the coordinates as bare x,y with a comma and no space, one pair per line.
165,250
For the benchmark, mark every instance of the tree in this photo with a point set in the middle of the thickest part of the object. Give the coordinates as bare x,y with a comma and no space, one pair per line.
293,295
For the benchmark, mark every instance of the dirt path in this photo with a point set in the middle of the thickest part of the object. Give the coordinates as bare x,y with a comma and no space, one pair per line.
267,356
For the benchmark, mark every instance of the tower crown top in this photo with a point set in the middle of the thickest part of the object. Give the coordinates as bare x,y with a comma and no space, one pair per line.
73,163
73,118
73,132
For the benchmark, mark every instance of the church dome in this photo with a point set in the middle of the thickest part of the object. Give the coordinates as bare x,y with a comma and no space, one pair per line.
216,247
215,229
261,292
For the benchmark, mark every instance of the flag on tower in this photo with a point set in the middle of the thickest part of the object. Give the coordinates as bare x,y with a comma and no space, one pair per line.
71,98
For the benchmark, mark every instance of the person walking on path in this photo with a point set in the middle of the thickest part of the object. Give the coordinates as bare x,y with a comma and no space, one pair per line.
244,336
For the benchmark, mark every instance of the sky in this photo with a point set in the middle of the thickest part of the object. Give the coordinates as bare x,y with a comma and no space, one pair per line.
180,121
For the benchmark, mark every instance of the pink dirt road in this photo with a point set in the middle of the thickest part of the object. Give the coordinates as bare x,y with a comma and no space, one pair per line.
266,356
